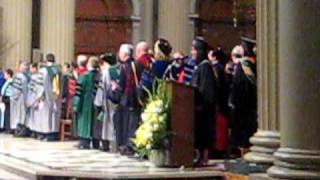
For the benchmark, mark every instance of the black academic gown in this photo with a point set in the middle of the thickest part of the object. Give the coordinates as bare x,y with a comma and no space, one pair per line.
203,81
243,99
128,112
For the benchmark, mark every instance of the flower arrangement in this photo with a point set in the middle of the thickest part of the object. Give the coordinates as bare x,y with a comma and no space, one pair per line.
153,132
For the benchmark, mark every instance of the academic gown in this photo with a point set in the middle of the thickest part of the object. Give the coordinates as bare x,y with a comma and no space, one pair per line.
244,104
203,81
47,113
18,110
104,125
35,95
128,112
222,114
83,103
6,93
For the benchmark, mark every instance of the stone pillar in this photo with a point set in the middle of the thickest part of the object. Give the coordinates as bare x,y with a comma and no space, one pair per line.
15,32
193,19
136,22
299,86
267,140
57,29
149,21
173,23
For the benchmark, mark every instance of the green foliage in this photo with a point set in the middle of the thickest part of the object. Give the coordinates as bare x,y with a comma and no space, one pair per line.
154,131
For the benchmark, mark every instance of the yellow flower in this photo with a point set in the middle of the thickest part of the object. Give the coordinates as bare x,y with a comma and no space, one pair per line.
159,103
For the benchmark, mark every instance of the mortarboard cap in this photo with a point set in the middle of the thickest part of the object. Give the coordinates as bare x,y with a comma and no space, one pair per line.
248,46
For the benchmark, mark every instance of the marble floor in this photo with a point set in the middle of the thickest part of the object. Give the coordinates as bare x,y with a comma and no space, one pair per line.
63,159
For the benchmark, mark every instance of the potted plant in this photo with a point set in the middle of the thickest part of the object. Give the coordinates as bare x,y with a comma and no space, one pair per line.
152,136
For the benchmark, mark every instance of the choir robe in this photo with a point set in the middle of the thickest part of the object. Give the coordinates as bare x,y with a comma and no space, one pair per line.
18,110
83,103
35,96
243,99
47,114
203,81
104,127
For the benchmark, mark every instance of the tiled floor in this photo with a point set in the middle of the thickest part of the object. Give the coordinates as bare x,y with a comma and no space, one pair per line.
63,159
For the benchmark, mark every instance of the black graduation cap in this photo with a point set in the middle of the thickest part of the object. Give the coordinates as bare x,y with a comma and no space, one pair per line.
109,58
248,46
199,43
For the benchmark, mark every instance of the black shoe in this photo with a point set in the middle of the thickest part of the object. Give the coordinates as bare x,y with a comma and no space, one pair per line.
33,135
127,151
83,147
95,144
105,146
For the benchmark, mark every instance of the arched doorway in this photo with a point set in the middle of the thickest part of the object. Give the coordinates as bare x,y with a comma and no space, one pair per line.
223,22
102,25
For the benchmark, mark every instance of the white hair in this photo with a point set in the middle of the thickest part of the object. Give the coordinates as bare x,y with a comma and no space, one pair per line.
126,48
93,62
238,50
81,59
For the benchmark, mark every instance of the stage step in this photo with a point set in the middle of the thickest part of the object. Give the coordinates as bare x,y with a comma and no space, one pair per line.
11,168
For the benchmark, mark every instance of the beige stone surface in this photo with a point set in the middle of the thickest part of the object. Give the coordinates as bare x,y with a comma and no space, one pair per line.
15,39
299,97
57,29
64,159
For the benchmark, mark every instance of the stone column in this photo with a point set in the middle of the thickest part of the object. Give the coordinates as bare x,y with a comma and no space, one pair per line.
173,23
193,19
15,32
149,21
299,90
57,29
136,22
267,140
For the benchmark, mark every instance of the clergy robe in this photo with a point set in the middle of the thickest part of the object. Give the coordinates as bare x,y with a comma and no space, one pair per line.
18,110
104,125
243,99
203,81
83,103
47,113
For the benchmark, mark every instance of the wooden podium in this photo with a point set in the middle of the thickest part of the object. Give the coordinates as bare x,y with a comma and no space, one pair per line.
181,152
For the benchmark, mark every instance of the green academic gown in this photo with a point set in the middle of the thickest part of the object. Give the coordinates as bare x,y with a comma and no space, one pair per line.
83,103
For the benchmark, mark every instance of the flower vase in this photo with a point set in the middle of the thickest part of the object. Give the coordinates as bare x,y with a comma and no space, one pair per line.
159,158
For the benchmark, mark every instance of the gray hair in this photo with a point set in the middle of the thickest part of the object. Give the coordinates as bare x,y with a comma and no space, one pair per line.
93,62
24,64
126,48
82,60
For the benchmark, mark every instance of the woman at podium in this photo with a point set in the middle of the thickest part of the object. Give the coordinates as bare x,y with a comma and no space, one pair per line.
205,99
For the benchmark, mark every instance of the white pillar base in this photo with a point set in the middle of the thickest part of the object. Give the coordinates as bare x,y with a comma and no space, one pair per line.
265,143
296,164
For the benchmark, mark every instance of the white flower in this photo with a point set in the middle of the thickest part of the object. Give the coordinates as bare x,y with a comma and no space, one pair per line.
149,135
144,116
156,127
148,146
